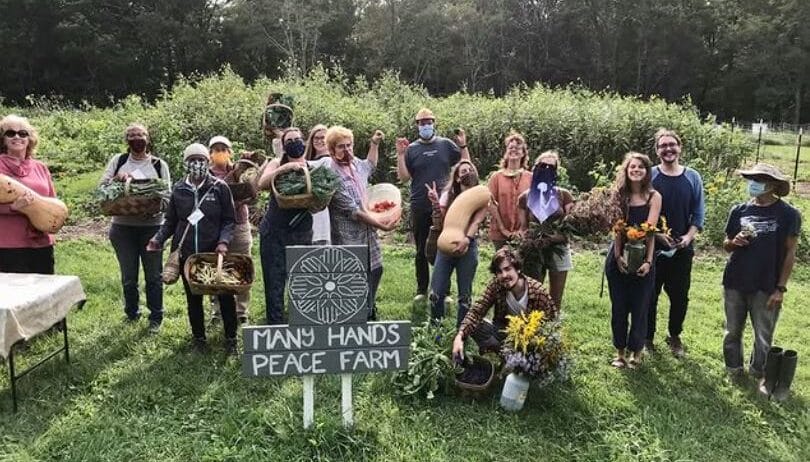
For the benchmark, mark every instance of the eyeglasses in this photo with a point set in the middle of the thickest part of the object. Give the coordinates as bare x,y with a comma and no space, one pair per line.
13,133
667,145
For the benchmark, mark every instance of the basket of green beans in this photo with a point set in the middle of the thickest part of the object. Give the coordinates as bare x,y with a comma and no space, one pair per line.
219,274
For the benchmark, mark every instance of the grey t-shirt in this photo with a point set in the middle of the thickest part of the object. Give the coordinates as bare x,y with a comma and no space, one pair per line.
147,170
429,162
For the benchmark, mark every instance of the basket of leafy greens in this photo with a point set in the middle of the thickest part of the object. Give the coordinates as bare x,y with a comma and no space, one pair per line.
132,197
295,187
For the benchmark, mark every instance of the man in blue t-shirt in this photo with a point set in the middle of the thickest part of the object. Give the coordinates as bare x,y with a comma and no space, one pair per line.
761,236
426,161
683,205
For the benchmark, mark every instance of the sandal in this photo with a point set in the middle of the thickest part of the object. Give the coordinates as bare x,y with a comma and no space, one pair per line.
634,363
618,363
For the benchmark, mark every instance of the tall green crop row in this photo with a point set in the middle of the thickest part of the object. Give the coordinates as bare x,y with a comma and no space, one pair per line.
585,127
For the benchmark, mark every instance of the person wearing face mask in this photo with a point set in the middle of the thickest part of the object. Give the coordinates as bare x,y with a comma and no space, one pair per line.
761,238
350,221
129,234
219,148
684,207
426,161
545,203
23,248
316,149
510,292
280,228
202,205
464,258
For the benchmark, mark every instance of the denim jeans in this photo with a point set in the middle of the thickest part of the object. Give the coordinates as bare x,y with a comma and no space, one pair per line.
274,268
465,267
738,306
674,275
129,243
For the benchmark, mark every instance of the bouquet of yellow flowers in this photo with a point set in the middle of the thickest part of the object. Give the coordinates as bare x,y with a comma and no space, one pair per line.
534,347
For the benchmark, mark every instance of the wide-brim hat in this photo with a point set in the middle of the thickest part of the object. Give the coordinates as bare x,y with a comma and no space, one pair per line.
424,114
767,170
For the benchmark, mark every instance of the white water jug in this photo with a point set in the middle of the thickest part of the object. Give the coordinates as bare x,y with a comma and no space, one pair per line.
514,392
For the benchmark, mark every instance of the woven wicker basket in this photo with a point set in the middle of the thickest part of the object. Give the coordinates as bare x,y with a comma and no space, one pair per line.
127,205
242,191
305,200
476,391
198,288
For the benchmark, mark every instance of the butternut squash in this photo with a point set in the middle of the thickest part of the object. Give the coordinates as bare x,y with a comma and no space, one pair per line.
459,215
47,214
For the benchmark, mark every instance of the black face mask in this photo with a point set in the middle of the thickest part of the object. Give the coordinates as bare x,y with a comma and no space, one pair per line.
137,145
469,179
294,148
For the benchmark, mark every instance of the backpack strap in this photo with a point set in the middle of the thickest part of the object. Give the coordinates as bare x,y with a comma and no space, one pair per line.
123,158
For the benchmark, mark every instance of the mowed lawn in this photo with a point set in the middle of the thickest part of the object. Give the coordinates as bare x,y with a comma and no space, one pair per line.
130,396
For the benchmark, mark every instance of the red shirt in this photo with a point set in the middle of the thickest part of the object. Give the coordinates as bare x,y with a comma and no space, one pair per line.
16,232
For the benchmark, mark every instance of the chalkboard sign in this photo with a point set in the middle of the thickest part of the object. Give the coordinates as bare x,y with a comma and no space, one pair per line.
328,332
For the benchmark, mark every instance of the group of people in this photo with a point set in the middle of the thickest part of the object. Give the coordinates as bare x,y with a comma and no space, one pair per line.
202,216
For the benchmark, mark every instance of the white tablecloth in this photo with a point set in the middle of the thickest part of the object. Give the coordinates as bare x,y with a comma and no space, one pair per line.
31,303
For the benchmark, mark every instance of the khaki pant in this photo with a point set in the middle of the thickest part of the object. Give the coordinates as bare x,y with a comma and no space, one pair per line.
241,243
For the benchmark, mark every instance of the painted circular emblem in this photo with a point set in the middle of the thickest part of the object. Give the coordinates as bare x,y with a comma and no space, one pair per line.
328,285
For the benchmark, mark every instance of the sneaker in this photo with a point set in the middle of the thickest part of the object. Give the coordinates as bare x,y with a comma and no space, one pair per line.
199,345
154,327
649,346
231,347
448,300
420,298
131,319
676,347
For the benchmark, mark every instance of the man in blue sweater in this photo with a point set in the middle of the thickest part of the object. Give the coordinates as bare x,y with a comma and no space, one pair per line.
684,207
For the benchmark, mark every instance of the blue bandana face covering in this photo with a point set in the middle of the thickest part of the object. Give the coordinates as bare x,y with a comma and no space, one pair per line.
542,200
757,188
426,131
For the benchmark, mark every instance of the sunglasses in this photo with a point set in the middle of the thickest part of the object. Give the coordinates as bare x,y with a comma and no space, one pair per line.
543,166
13,133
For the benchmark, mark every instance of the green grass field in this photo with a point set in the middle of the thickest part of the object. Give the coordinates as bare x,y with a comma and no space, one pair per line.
131,396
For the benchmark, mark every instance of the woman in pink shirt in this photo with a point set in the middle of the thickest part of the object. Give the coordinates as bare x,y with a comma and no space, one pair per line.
23,249
506,185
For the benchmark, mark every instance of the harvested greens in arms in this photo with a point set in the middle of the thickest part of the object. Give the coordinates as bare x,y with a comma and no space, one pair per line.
111,191
594,213
324,182
206,273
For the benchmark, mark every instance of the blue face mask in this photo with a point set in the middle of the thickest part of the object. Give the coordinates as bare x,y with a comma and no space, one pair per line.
294,148
426,131
757,188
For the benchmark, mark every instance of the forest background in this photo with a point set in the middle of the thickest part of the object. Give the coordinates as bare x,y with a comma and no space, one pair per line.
742,59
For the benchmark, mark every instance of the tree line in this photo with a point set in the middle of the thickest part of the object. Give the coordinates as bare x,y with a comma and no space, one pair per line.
747,59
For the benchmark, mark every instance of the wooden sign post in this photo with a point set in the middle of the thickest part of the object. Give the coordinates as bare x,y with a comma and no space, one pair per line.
328,331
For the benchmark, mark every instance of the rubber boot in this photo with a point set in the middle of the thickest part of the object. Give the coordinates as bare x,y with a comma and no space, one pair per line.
787,370
772,363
